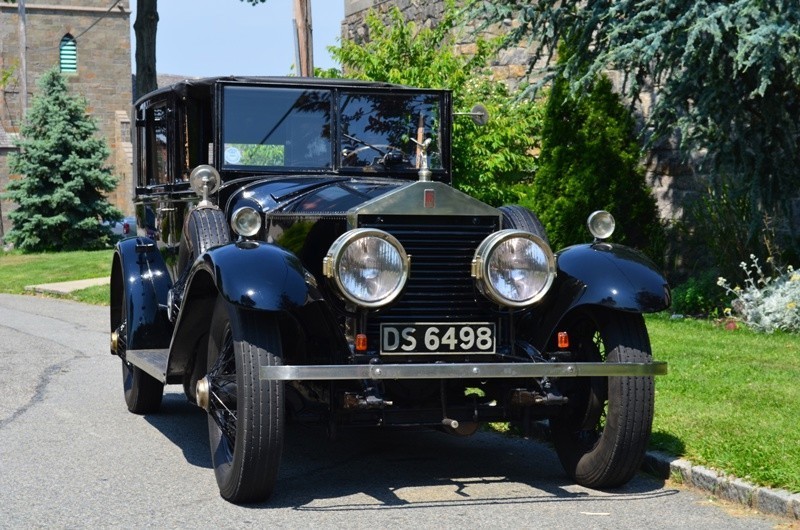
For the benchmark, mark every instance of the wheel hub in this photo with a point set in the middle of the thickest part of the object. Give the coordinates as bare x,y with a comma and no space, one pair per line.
203,393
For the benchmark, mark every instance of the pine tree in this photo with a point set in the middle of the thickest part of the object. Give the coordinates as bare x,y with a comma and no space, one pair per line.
60,197
590,161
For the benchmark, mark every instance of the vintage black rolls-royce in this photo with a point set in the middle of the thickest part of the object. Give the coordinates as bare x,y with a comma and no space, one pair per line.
300,254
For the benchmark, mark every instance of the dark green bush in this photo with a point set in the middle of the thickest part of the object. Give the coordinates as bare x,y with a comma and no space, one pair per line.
590,161
700,296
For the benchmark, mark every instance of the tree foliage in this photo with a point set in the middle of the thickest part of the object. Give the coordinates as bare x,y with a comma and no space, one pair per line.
486,160
590,161
60,195
726,72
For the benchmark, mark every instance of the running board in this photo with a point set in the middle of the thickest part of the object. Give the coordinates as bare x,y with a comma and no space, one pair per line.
459,371
153,362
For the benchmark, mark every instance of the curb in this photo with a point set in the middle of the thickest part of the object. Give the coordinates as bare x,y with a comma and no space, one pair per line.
765,500
67,287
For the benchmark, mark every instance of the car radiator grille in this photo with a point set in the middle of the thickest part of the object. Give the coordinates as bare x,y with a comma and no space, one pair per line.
440,287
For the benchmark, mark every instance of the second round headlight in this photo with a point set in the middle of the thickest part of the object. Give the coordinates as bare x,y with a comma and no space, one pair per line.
369,267
514,268
246,221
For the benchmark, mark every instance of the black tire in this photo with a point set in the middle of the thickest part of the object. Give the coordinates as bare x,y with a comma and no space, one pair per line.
602,436
519,217
143,393
205,228
246,414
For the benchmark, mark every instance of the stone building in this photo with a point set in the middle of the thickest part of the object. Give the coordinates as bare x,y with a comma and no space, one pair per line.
89,40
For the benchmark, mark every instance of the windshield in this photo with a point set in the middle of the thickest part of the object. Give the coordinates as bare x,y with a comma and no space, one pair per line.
389,130
269,127
276,127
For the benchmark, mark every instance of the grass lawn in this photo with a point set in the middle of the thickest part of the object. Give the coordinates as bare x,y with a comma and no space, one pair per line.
18,270
731,400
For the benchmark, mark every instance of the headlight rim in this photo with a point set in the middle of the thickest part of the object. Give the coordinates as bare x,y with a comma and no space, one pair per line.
334,255
241,211
482,257
593,223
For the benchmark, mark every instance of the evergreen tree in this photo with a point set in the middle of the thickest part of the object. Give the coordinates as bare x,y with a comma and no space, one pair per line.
728,79
590,161
60,196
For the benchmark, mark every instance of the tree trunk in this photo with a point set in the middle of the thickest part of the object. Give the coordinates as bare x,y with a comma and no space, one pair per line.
145,31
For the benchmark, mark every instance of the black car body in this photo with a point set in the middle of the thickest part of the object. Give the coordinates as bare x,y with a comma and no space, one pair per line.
300,253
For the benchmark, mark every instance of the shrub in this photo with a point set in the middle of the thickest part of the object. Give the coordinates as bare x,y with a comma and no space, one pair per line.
590,161
700,296
767,303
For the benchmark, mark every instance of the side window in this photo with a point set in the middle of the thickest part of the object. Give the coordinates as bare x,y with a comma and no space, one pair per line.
158,146
141,152
155,145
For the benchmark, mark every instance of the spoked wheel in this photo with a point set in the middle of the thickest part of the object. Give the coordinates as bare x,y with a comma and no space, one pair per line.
245,414
143,393
602,436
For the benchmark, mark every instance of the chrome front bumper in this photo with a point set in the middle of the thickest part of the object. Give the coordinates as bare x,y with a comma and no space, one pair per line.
459,371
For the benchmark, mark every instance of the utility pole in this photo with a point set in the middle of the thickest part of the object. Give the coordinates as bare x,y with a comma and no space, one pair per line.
303,39
23,63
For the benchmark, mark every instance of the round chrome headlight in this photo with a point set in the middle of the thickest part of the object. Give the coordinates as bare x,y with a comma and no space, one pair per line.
514,268
246,221
601,224
369,267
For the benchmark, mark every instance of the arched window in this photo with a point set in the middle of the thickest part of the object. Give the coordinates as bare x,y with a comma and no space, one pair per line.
68,54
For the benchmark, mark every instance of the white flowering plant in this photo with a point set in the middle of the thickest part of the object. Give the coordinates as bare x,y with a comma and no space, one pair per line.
766,303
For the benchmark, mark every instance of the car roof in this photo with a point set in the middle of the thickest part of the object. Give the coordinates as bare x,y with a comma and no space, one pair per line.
184,87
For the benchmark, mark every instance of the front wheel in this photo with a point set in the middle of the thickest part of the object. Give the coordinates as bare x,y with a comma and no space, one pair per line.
245,414
602,436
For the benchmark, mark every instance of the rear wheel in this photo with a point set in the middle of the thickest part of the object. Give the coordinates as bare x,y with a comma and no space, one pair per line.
143,393
245,414
603,434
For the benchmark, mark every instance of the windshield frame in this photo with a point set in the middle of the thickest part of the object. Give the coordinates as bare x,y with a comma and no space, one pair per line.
338,92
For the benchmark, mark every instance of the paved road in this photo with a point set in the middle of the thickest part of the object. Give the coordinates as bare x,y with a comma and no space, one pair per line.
72,456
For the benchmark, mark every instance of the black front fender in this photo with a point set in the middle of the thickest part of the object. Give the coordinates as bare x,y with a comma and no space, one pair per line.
610,276
256,276
253,275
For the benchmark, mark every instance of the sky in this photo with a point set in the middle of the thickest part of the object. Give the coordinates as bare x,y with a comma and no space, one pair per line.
205,38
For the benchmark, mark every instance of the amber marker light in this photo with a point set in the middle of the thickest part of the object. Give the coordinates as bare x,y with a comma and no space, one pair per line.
563,340
361,342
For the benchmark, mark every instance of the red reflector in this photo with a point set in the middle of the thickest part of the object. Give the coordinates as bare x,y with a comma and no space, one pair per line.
563,340
361,342
430,198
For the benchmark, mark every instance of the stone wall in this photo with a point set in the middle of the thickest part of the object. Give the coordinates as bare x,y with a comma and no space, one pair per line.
103,74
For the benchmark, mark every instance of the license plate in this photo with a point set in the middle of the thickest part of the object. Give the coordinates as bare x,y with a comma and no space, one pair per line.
438,338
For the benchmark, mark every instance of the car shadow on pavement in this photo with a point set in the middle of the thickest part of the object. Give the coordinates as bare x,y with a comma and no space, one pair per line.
184,424
380,468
